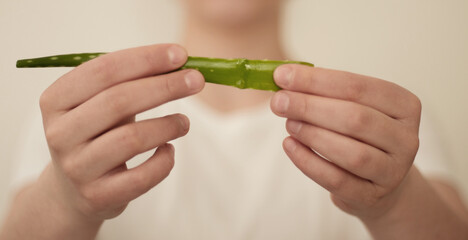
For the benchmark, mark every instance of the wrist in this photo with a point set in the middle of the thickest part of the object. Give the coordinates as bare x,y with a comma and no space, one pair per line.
51,213
397,205
59,197
416,212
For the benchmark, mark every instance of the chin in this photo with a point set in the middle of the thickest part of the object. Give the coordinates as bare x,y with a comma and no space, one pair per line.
232,12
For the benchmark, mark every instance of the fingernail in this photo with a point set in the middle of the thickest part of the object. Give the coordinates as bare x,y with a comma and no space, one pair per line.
294,126
184,122
290,145
176,55
194,80
283,75
281,102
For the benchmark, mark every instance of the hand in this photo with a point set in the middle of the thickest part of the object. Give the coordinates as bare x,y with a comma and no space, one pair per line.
91,132
354,135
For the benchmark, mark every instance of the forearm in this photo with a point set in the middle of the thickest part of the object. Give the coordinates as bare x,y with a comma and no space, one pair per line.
420,213
36,214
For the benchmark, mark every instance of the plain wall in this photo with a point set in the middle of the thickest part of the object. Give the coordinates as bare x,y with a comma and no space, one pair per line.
420,44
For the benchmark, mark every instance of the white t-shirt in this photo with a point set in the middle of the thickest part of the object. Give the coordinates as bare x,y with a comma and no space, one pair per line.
231,180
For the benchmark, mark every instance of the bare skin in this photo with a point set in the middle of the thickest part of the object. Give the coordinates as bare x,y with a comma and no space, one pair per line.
87,180
367,128
366,131
232,39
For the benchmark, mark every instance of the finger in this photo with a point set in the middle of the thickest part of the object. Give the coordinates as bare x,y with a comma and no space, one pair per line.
116,147
118,189
356,157
111,106
384,96
348,118
94,76
328,175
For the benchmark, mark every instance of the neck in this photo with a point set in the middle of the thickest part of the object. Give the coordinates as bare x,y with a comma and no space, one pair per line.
254,40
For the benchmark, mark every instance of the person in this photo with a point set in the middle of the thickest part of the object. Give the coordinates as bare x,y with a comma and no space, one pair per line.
354,136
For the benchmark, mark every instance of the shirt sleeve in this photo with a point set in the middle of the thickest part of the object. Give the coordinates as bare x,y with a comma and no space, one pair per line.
31,154
432,159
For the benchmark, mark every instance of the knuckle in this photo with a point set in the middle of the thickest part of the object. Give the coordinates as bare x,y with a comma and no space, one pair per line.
142,181
130,138
117,101
355,91
379,193
358,120
152,58
336,183
415,104
413,145
170,86
360,159
305,107
105,67
311,135
44,100
53,136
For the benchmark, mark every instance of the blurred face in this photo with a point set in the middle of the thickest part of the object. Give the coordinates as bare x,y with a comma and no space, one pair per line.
231,12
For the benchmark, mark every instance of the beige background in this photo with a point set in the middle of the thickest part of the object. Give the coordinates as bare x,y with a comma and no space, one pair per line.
420,44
